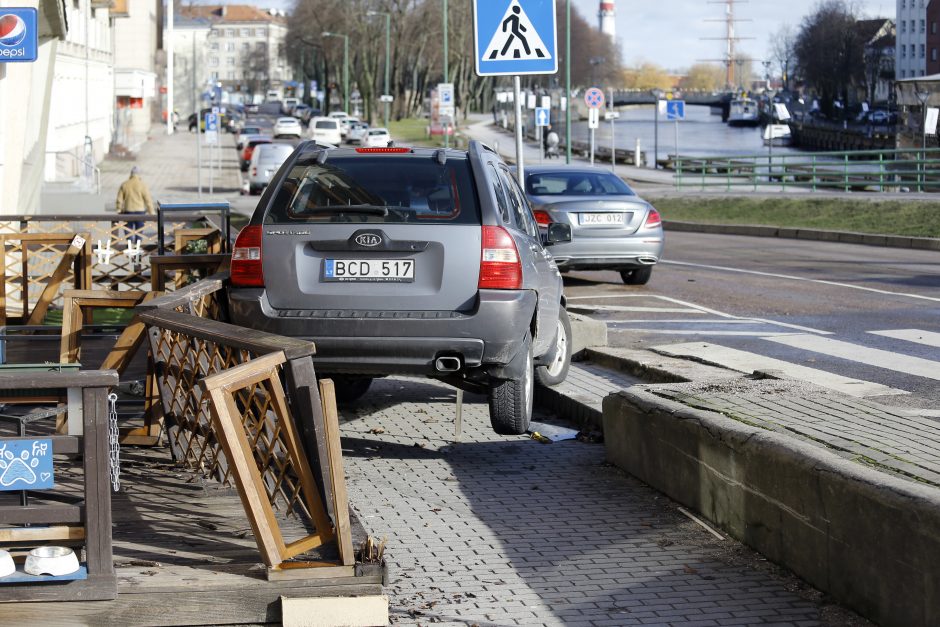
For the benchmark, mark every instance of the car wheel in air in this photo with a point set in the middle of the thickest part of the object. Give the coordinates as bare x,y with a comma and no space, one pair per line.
637,276
511,399
350,389
559,358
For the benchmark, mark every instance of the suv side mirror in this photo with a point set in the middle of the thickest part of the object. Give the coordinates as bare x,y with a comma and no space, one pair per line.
557,233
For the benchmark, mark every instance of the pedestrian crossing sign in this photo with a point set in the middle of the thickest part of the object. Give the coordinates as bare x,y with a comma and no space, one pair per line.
513,37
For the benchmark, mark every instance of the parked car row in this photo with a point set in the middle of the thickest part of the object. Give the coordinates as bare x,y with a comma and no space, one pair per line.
365,251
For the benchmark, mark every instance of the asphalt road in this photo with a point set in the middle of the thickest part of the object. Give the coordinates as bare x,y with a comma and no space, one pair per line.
863,312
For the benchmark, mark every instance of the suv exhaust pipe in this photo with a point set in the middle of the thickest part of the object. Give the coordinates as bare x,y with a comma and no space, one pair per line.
447,364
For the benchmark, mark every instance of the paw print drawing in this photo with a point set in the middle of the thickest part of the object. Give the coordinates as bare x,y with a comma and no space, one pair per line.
17,468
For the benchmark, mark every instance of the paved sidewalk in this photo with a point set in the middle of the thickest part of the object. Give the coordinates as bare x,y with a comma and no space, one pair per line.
168,165
507,531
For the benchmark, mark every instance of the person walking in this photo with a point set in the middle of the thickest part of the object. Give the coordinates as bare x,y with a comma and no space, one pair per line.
133,198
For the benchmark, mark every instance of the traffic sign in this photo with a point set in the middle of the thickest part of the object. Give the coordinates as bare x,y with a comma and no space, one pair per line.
212,121
675,109
445,94
546,102
594,98
386,98
542,116
611,115
515,37
593,118
530,101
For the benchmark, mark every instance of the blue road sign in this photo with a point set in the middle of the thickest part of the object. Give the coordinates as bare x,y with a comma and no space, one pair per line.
542,116
675,109
594,98
19,40
515,37
26,465
212,122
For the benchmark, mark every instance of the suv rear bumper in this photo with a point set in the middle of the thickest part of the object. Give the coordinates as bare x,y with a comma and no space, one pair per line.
389,342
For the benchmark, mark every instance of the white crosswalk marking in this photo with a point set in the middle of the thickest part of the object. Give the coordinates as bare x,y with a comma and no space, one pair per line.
863,354
743,361
928,338
604,308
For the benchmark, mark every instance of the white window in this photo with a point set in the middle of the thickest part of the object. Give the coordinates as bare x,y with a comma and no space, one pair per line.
214,45
903,51
215,76
213,61
260,32
230,32
230,61
231,76
903,26
923,26
230,46
246,46
246,32
923,51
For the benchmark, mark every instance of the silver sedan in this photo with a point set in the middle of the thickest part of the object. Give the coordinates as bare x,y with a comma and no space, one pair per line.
611,227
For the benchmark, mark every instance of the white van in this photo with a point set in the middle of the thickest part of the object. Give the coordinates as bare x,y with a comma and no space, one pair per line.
272,96
326,130
288,104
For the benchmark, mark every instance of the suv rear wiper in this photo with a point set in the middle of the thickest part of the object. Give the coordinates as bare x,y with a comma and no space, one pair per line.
378,210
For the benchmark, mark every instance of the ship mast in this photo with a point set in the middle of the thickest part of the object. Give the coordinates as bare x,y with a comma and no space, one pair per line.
731,39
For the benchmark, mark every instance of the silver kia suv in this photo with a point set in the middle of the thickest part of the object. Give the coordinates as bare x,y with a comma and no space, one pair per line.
408,261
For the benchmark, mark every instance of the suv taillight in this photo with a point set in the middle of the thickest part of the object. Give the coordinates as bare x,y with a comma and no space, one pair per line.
500,267
653,219
246,268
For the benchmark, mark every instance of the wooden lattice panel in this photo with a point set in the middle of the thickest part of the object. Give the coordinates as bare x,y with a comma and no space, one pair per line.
31,262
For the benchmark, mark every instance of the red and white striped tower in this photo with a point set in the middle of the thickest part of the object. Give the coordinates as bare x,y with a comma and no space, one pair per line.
607,19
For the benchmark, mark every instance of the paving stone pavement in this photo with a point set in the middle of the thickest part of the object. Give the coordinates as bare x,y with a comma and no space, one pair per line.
168,167
498,530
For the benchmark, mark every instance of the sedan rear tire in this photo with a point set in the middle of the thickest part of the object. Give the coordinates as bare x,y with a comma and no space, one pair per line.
511,399
637,276
555,371
350,389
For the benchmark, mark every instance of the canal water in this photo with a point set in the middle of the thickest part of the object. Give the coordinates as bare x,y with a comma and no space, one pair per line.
701,134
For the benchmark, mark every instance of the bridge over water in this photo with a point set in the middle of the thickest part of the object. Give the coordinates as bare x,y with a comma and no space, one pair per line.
707,99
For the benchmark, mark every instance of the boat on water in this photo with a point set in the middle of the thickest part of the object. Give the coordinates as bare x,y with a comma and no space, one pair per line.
777,134
743,112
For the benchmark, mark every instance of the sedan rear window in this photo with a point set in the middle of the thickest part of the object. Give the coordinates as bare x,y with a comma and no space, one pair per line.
576,184
383,189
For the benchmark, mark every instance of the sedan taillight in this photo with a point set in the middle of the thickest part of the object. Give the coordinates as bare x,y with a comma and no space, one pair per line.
543,218
653,219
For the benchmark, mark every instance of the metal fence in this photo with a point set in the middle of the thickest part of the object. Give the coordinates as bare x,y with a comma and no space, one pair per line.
916,170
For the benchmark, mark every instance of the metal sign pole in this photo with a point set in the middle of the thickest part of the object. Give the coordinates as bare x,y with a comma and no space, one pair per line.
541,144
198,115
520,166
613,144
656,136
677,139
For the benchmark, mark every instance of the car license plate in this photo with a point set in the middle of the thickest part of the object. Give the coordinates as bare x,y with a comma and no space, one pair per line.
601,219
369,270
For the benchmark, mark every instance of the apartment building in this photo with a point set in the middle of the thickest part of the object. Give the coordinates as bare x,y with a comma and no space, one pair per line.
911,53
933,37
245,47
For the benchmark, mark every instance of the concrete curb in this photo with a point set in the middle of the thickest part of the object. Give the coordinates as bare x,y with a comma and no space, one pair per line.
870,540
845,237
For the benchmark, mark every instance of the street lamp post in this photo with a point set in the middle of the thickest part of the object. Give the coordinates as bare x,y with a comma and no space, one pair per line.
923,97
388,39
446,59
568,82
345,66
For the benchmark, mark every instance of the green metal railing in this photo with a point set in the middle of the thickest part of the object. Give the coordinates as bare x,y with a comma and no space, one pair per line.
858,170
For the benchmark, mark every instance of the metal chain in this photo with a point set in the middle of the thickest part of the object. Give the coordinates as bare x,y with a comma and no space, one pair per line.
114,445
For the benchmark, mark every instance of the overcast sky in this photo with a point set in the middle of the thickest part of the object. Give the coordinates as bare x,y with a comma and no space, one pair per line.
669,32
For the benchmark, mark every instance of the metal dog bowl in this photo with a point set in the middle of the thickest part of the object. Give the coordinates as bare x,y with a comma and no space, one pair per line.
51,560
7,567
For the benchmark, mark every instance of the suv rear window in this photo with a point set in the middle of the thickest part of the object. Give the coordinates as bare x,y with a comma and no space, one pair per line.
381,189
326,124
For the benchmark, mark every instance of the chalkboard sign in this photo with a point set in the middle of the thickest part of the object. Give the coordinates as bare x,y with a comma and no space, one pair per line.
26,465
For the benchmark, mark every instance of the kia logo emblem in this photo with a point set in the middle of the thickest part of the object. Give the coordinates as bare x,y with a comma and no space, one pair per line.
368,239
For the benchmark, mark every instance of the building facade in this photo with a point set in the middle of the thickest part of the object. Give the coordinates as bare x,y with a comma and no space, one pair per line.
135,47
911,51
245,48
933,37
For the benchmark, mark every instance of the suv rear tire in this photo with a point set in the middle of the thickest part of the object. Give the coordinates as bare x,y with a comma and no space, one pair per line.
637,276
349,389
559,360
511,399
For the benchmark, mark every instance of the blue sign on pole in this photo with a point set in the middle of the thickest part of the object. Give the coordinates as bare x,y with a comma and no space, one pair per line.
515,37
212,122
542,116
26,465
675,109
19,40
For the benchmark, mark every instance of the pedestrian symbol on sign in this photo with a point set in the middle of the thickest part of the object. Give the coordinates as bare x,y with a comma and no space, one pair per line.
516,38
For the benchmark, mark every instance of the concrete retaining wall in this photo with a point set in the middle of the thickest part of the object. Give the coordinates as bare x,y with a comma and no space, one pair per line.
870,540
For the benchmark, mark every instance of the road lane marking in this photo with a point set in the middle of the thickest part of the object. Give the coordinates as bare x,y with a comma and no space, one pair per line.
863,354
682,321
620,308
743,361
928,338
733,317
705,332
799,278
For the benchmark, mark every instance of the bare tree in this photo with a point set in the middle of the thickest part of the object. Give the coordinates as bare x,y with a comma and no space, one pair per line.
783,52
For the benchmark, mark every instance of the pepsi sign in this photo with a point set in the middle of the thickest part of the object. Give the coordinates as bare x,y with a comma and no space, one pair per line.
18,35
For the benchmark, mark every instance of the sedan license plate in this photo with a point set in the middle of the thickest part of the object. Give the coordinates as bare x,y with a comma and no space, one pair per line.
369,270
601,219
